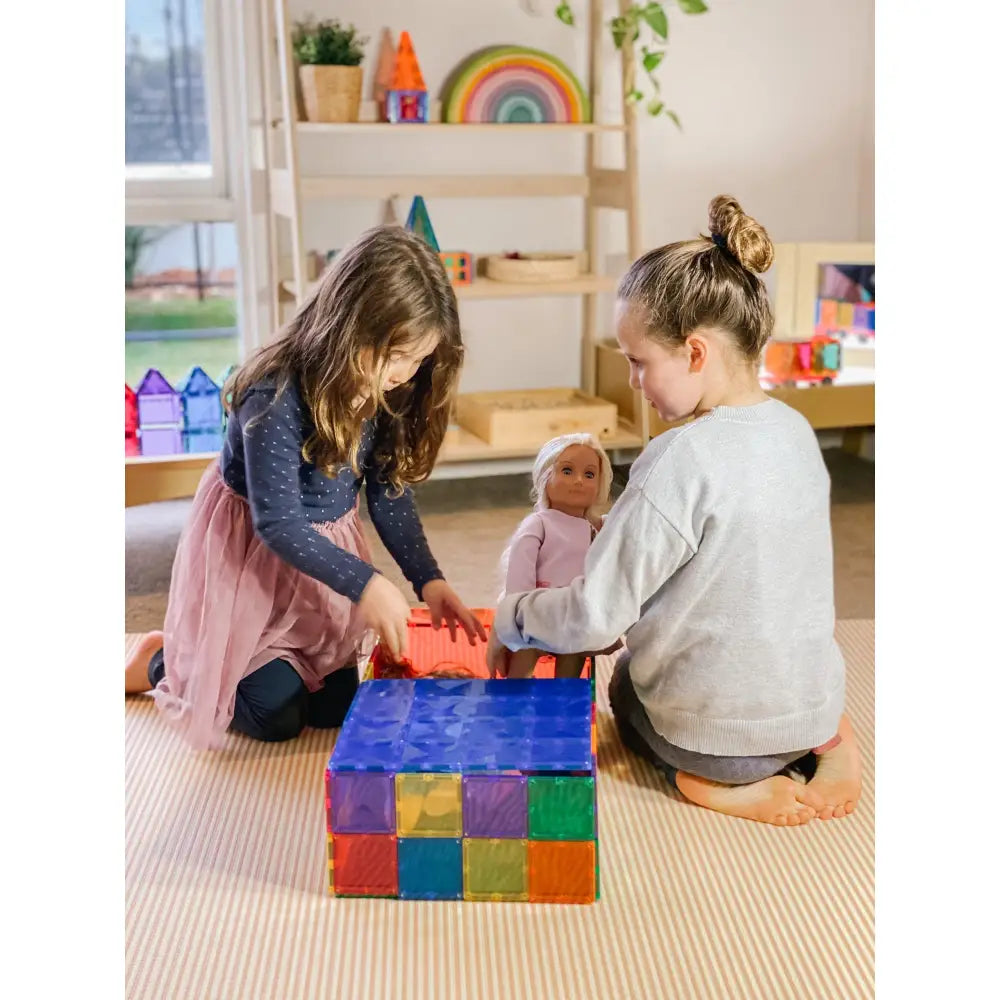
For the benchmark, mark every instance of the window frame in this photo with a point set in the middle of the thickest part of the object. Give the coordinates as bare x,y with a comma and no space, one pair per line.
167,193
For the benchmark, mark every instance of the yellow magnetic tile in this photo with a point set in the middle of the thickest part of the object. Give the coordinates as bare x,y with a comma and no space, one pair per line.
428,805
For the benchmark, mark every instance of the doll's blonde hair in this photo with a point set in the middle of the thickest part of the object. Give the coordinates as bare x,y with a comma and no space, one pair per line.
548,457
541,475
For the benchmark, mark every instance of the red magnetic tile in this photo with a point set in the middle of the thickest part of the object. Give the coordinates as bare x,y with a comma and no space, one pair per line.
365,865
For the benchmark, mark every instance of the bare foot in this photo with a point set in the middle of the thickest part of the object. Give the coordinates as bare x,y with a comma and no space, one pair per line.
137,665
838,775
778,800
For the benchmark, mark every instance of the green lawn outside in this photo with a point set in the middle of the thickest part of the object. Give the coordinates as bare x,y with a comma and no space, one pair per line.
175,358
179,314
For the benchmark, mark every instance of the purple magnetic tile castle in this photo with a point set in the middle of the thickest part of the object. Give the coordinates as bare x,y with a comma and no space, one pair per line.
467,726
361,802
495,805
159,402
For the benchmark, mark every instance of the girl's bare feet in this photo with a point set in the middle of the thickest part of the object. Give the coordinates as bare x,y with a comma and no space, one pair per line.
778,800
137,665
838,775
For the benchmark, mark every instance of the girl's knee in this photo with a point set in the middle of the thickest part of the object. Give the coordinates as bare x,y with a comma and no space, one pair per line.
282,723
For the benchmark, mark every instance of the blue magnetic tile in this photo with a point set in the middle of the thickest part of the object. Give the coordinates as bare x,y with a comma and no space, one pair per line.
431,757
430,867
366,755
435,731
468,725
558,755
555,726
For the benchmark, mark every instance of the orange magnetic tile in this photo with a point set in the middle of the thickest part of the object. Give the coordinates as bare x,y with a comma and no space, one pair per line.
561,871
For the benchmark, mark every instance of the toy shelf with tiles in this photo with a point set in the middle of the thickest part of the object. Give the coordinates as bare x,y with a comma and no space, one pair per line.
163,421
472,789
507,94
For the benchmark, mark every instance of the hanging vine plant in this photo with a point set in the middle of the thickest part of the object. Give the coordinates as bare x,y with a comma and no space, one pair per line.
647,26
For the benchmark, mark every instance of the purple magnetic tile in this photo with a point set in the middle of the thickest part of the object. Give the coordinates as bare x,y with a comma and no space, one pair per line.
362,802
495,806
161,441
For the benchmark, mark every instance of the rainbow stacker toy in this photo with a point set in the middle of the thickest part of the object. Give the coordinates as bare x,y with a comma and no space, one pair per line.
466,789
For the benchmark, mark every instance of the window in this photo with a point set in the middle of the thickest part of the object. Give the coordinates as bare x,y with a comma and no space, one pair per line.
174,135
189,299
180,314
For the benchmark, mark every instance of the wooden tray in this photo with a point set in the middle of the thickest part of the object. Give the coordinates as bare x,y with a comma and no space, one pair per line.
530,417
533,268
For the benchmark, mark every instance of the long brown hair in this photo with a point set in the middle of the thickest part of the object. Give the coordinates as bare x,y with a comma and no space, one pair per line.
708,282
386,291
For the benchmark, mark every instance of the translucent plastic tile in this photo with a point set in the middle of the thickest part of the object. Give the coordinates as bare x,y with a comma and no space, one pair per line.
562,871
362,755
429,805
561,808
495,806
365,865
430,868
431,757
496,869
559,754
362,802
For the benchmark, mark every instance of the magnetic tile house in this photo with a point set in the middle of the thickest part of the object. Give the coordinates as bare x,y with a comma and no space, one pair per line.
465,789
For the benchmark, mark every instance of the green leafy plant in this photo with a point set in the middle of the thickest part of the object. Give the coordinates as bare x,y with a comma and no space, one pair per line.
327,43
645,25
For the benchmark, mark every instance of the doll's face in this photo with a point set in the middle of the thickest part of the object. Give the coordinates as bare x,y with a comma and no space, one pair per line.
575,480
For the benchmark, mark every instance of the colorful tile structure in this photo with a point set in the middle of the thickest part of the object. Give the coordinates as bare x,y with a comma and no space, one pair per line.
466,789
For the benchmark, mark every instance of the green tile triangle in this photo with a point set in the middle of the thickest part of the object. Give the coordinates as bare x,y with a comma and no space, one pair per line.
419,222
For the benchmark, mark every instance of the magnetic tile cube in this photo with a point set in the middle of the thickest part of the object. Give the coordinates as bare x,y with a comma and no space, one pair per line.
465,789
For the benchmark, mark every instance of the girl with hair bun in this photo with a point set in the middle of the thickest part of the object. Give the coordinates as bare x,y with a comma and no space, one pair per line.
717,561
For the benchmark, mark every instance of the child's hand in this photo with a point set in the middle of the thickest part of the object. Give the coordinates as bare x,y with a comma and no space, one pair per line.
496,656
386,612
444,604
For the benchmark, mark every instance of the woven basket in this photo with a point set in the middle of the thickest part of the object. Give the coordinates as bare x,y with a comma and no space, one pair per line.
331,93
534,268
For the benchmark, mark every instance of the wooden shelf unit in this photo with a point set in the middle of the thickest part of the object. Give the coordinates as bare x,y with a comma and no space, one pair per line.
487,288
598,186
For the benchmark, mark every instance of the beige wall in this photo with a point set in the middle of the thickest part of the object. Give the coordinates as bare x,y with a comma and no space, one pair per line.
776,100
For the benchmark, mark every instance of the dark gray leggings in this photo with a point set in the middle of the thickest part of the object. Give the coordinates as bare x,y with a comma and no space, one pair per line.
273,704
638,734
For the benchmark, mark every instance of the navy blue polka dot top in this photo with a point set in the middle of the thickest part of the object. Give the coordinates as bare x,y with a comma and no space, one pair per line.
287,495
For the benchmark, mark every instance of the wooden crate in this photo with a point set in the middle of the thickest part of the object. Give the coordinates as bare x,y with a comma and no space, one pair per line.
530,417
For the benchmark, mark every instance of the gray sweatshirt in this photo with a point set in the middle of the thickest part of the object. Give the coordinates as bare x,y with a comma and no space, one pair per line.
717,561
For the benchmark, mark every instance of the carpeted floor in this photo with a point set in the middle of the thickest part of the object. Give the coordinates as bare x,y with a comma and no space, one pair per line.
468,523
226,895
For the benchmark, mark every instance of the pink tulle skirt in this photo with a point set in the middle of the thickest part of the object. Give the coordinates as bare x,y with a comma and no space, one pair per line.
234,606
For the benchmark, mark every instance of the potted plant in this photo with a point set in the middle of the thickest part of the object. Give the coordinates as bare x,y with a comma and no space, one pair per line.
329,57
628,27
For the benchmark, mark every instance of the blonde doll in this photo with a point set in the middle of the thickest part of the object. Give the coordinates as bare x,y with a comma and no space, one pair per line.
571,483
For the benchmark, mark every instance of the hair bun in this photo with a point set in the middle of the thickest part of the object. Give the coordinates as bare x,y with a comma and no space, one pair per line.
746,239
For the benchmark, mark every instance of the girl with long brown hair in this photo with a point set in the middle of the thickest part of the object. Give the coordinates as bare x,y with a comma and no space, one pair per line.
272,586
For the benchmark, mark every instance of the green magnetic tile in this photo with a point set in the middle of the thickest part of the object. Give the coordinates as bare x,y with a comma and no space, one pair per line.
561,808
